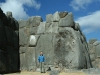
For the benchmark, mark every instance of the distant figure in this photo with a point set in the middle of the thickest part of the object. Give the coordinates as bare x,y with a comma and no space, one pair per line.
41,60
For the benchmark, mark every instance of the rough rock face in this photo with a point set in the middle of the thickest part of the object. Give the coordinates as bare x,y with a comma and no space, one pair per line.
29,33
60,39
94,51
9,43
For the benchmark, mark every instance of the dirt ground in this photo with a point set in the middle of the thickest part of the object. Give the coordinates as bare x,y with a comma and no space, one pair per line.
37,73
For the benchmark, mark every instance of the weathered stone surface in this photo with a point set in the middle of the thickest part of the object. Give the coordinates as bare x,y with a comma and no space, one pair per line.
91,41
45,44
41,28
23,36
98,51
9,59
30,59
92,56
34,21
70,48
22,50
9,35
56,17
55,27
48,27
77,27
49,18
22,23
96,43
63,14
13,59
9,14
33,40
3,61
52,27
67,21
33,30
16,25
3,39
22,62
16,40
94,50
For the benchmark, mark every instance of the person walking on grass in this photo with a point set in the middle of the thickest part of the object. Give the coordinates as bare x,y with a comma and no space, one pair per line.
41,60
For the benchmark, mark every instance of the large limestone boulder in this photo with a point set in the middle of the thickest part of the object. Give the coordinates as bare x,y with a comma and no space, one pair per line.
3,61
45,44
52,27
34,21
91,41
33,30
13,59
67,21
9,14
27,59
30,59
33,40
94,51
49,18
63,14
3,40
9,34
22,50
56,17
98,51
22,23
70,49
41,28
16,40
23,36
77,27
22,62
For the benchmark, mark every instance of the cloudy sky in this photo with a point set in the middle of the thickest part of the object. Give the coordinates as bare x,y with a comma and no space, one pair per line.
86,12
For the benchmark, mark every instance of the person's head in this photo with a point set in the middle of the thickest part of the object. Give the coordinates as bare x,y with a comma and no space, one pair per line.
41,53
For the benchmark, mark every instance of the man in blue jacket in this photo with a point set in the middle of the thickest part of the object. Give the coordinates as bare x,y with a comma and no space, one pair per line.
41,60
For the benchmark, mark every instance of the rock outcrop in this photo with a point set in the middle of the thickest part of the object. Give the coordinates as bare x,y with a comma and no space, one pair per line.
60,39
94,51
9,43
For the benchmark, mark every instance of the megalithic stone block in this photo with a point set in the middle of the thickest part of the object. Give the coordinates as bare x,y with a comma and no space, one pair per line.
33,40
34,21
56,17
41,28
67,21
3,40
49,18
9,14
63,14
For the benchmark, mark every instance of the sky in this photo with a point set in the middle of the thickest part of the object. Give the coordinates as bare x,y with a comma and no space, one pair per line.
85,12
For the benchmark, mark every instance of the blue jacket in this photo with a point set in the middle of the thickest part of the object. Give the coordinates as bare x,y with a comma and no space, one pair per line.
41,58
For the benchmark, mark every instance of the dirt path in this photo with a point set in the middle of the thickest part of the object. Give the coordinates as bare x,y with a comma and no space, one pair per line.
37,73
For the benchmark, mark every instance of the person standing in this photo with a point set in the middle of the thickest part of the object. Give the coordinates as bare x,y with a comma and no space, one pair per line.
41,60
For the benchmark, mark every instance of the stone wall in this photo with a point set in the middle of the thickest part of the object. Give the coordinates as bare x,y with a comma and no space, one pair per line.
60,39
9,43
94,51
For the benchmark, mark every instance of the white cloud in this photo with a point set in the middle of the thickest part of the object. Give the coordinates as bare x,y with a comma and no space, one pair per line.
17,7
80,4
90,22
